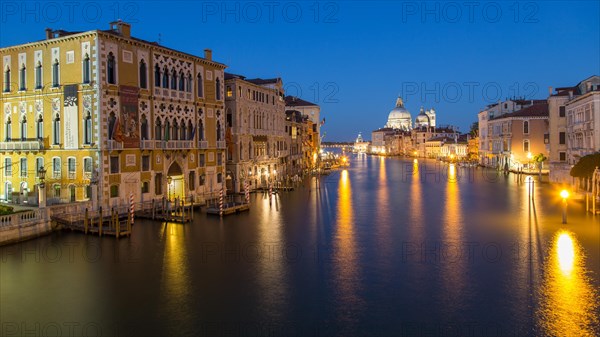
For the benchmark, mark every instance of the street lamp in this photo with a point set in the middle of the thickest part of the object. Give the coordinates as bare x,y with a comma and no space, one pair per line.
564,194
42,176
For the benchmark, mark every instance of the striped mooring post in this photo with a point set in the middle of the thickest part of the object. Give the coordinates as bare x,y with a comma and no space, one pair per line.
221,202
247,192
131,207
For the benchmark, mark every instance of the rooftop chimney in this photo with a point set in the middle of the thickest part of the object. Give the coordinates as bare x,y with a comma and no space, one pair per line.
570,94
550,91
48,33
121,27
208,54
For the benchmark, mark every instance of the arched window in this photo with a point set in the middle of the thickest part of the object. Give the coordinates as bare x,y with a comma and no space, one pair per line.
175,130
218,88
144,128
183,135
165,82
24,128
87,129
200,130
181,81
111,125
526,145
86,69
199,85
55,73
110,69
219,131
526,127
22,78
8,130
143,82
158,129
173,80
56,130
7,79
190,131
40,127
38,76
168,130
189,83
156,76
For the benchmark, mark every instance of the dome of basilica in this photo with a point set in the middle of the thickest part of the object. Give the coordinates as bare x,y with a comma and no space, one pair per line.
399,117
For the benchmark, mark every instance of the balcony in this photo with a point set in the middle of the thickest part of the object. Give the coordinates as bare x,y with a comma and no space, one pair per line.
56,174
179,144
17,144
203,144
71,175
221,144
114,145
147,144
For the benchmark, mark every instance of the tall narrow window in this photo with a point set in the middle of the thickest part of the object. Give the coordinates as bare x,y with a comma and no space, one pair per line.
189,83
158,129
144,128
23,167
183,135
22,78
167,130
526,146
39,128
56,169
71,166
199,85
24,129
55,73
7,79
200,130
218,88
38,76
526,127
86,69
8,130
175,131
143,81
165,82
156,76
56,131
87,167
111,125
174,80
181,81
7,167
110,69
87,129
218,130
190,131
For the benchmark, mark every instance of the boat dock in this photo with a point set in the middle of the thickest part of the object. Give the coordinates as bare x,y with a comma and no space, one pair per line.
112,222
167,210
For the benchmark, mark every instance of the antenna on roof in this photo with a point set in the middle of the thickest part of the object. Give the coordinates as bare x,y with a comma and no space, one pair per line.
159,38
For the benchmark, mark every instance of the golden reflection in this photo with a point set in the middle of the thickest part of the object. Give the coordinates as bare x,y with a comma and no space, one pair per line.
569,301
175,280
453,254
345,247
416,212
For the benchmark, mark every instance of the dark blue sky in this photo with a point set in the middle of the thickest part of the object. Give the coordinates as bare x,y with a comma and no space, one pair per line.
354,58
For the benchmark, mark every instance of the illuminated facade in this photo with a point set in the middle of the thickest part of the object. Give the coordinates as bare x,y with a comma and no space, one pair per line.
257,149
102,106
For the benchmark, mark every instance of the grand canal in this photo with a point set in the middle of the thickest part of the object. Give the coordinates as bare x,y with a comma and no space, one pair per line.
387,247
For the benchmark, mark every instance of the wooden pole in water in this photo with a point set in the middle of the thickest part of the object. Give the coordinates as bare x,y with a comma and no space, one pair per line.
85,221
100,223
117,225
129,226
192,210
153,206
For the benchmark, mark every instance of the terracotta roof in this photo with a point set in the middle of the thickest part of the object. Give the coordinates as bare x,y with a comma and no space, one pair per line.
296,101
261,81
536,110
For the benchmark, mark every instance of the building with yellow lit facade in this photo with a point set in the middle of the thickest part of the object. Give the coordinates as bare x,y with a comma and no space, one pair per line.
109,116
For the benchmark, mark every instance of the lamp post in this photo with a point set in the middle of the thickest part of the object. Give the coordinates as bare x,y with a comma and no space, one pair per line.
564,194
42,187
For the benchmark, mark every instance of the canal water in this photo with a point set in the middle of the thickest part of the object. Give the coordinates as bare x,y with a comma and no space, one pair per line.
386,247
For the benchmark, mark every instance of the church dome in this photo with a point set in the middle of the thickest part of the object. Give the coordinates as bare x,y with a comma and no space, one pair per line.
422,119
399,117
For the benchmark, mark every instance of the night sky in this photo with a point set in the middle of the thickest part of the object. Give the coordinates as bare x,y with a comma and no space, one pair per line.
354,58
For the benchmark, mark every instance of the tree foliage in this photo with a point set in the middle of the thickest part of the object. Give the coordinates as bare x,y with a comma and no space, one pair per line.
584,168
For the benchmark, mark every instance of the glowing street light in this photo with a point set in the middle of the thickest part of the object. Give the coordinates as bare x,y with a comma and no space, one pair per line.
564,194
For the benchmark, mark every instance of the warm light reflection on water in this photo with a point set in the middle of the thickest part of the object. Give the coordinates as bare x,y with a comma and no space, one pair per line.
569,302
345,248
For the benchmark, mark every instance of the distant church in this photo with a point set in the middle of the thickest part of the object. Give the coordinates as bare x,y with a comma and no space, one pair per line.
401,119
